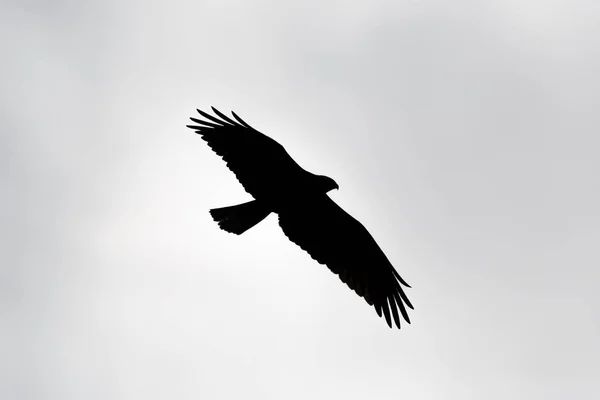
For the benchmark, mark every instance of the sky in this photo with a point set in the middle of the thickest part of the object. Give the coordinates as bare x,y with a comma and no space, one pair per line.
463,135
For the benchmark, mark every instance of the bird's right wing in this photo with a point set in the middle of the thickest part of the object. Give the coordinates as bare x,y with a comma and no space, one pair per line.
259,162
334,238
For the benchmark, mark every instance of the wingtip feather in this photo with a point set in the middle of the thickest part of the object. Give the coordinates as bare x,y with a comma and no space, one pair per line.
394,308
212,118
223,116
378,309
402,308
241,121
386,312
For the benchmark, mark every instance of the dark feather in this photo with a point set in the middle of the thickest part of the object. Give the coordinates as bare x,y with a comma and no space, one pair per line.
225,118
210,117
206,123
241,121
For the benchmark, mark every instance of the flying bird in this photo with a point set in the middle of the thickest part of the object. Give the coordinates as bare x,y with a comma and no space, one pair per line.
307,215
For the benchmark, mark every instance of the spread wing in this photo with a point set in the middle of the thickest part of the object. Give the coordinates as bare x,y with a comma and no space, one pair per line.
260,163
334,238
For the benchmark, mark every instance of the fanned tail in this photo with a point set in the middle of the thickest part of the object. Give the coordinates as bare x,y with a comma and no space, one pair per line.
238,219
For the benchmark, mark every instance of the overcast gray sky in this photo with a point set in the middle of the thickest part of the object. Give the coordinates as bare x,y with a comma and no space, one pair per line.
463,134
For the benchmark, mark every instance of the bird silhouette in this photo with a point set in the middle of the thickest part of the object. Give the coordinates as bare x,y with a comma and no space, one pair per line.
307,215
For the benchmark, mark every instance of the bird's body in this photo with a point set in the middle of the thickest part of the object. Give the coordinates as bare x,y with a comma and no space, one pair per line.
307,216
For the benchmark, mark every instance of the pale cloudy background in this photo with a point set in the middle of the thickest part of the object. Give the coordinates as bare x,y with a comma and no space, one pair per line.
463,134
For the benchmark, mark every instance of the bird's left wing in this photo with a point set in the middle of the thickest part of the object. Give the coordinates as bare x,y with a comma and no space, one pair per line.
260,163
334,238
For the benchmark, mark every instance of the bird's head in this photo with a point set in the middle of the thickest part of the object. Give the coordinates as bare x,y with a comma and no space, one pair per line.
326,183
